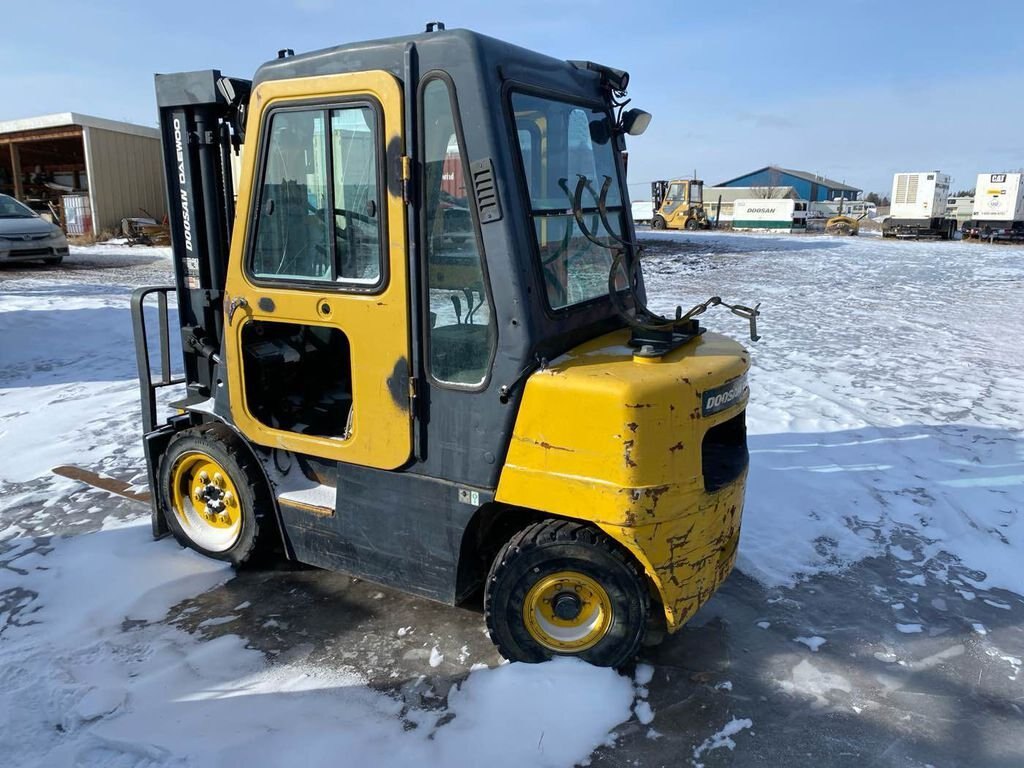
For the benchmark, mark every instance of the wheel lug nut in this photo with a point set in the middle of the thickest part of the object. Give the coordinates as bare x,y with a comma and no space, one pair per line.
203,477
228,497
218,480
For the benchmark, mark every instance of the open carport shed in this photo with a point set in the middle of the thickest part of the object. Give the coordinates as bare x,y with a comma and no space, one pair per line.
89,171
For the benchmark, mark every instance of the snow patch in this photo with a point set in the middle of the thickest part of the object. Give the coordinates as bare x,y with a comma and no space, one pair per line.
809,681
814,642
643,674
722,739
644,713
92,677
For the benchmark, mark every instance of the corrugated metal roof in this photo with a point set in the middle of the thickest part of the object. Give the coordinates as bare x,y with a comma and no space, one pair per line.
821,180
64,119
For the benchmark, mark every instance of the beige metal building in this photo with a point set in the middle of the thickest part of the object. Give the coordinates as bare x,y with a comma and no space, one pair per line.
87,172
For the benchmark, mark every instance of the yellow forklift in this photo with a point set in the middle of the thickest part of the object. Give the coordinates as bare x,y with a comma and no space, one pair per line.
417,351
679,204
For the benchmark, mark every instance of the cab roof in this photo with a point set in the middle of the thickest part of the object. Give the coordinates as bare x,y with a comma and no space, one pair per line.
435,50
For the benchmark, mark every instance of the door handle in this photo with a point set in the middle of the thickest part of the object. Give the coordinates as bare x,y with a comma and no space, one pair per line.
234,305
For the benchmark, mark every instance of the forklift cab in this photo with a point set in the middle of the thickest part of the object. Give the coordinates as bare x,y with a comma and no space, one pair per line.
411,351
679,204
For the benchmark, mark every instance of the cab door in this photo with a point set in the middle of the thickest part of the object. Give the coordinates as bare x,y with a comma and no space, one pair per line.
675,200
317,338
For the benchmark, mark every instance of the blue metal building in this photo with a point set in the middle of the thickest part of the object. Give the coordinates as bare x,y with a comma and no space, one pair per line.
808,185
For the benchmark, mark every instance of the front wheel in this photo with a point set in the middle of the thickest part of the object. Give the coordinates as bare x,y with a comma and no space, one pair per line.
214,496
658,222
561,588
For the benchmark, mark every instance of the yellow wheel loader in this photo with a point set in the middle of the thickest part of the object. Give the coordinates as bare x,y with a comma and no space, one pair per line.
679,204
844,223
415,347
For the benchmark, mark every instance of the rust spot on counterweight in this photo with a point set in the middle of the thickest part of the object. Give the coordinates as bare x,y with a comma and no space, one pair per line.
628,450
551,447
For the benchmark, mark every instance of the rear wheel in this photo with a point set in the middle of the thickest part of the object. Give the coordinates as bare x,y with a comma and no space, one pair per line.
214,496
692,224
561,588
658,222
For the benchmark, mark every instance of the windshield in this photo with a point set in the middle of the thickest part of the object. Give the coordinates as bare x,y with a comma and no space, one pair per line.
559,143
12,209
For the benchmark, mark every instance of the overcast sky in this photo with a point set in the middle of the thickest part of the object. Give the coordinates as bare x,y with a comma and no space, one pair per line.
853,90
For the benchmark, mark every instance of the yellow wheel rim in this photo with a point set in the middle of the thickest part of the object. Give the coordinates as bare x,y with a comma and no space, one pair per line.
567,612
205,501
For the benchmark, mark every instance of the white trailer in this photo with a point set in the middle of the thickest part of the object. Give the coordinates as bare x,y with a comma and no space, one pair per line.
643,211
960,208
919,206
998,207
770,215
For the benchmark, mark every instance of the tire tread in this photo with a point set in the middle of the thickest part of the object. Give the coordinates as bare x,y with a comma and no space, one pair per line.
557,531
221,437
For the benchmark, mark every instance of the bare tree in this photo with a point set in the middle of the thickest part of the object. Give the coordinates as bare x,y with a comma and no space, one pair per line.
771,190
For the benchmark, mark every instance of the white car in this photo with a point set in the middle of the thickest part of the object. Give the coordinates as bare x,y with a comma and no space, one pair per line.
25,236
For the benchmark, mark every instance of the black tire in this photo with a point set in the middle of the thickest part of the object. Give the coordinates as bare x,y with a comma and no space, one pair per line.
692,224
658,222
54,261
551,547
255,535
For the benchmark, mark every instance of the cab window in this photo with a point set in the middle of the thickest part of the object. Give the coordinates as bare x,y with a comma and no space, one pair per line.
461,333
675,192
565,147
318,217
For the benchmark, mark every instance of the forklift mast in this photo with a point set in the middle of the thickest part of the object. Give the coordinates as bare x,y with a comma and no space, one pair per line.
658,190
201,123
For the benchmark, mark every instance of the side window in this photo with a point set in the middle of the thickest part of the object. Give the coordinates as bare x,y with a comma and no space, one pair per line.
293,226
461,332
319,216
675,192
356,202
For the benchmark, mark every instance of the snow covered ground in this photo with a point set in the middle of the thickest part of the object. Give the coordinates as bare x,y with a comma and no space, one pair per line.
887,403
885,427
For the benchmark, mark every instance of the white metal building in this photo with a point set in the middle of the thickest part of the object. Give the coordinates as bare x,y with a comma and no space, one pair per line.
90,172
